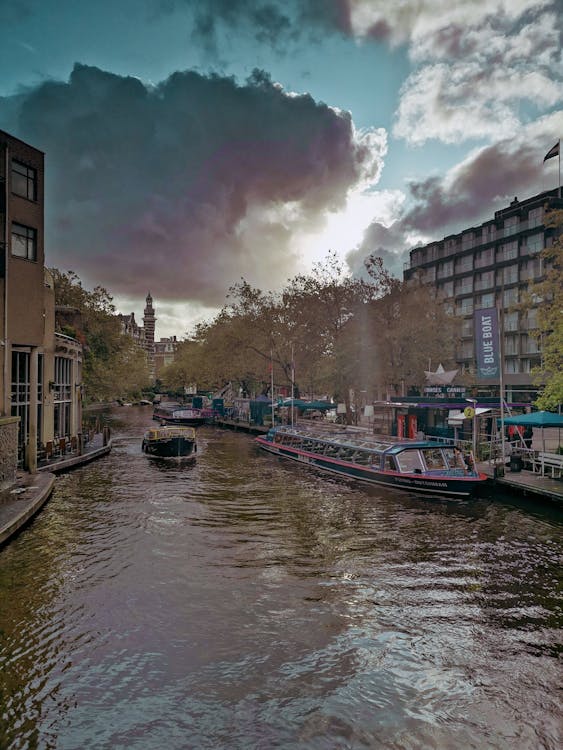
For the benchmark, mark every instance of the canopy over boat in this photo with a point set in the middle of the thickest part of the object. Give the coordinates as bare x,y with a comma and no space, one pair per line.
536,419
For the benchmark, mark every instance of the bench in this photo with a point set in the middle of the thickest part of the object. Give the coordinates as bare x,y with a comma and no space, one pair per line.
552,462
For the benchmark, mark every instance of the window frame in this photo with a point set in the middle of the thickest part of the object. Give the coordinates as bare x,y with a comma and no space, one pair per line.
25,175
27,239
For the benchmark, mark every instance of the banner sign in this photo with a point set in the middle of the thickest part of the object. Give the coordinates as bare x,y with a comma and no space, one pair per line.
444,391
487,343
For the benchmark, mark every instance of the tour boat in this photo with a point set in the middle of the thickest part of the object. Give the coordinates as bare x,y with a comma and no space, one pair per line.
176,414
168,442
419,466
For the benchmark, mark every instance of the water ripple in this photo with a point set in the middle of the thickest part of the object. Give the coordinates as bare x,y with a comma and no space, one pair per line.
239,601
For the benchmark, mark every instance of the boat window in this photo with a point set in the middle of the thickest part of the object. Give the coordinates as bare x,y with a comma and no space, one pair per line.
434,458
455,458
410,461
361,457
390,463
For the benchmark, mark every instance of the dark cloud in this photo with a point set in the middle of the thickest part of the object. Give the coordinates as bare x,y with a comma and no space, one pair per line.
387,243
272,22
445,205
185,184
495,174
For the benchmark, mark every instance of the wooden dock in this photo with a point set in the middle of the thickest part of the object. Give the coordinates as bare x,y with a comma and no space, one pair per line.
526,482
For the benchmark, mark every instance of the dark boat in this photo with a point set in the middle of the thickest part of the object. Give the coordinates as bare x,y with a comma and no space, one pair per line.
177,414
168,442
418,466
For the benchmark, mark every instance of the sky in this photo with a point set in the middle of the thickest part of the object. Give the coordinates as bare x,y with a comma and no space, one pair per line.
190,144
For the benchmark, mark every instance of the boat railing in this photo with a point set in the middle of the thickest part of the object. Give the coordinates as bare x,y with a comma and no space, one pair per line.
171,432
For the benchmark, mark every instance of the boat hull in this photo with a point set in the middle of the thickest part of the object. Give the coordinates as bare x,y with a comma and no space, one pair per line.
186,417
169,442
415,483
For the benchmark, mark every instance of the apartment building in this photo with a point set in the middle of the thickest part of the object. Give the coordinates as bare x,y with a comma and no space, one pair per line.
40,373
492,265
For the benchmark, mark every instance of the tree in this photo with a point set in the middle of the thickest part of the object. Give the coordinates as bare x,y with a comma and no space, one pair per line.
113,365
549,332
409,326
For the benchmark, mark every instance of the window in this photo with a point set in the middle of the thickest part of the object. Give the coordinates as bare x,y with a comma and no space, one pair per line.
445,269
24,181
510,274
532,269
464,285
465,350
511,225
410,461
511,366
531,320
483,301
484,280
529,345
484,257
434,459
535,217
416,257
467,241
511,345
62,396
24,242
511,321
489,233
467,328
464,264
510,297
535,243
464,306
20,396
446,289
507,251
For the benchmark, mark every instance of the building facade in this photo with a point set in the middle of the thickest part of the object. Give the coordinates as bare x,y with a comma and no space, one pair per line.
143,335
164,353
40,374
487,266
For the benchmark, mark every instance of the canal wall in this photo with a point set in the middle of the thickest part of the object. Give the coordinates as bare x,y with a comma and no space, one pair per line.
8,451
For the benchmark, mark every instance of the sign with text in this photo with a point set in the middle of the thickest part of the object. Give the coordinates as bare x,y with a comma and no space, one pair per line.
487,343
444,391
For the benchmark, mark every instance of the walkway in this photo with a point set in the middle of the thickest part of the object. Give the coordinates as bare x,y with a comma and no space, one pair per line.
19,503
526,482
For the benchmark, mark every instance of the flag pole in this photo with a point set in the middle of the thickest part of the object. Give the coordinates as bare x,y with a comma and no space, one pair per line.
501,373
292,383
272,384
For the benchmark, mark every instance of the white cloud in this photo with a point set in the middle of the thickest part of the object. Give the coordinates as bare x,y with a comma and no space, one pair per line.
483,67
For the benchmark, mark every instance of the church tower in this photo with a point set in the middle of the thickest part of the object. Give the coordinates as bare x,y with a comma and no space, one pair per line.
149,324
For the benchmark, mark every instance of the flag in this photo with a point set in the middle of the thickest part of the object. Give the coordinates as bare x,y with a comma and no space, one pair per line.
552,152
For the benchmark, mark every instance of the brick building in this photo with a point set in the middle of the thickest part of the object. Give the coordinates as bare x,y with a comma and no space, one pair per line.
40,371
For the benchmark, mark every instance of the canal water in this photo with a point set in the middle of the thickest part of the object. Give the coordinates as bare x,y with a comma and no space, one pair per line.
240,602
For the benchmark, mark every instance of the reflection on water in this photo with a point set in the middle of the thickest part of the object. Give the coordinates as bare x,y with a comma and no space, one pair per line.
236,601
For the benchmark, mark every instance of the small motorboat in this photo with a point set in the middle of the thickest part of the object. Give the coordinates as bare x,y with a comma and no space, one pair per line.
169,441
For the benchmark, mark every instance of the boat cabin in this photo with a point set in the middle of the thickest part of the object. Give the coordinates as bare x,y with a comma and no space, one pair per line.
381,453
